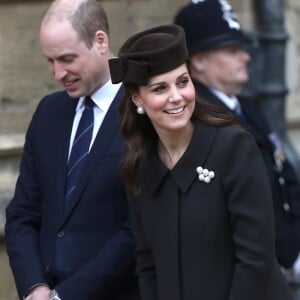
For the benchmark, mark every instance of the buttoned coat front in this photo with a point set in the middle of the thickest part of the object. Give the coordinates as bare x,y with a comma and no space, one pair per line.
198,240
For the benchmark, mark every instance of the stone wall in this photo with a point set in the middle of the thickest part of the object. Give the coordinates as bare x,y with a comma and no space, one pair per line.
25,78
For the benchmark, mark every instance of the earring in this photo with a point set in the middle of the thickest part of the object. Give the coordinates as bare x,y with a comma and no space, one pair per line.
140,110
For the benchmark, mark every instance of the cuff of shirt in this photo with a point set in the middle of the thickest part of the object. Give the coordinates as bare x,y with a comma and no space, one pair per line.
33,287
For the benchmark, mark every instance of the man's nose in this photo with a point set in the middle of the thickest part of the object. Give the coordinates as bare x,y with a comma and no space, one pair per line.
59,72
245,55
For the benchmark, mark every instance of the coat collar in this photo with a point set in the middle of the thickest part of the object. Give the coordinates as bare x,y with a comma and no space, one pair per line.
184,172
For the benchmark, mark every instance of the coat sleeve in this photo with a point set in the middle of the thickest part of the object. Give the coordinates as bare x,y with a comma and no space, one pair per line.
250,210
23,220
145,268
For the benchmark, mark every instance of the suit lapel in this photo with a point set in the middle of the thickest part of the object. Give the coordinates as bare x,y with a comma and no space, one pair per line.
108,129
64,123
259,126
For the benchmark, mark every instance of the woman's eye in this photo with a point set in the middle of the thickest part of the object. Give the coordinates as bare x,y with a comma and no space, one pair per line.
183,82
158,89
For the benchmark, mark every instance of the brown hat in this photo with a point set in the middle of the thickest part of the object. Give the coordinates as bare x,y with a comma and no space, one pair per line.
148,53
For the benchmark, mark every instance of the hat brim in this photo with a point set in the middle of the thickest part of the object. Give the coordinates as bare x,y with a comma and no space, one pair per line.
220,41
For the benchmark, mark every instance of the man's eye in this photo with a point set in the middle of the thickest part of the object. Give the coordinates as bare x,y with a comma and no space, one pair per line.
68,59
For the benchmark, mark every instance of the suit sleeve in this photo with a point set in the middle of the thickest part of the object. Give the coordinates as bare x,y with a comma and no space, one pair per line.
23,219
251,215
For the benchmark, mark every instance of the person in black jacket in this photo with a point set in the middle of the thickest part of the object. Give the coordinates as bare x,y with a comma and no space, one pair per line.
218,66
199,193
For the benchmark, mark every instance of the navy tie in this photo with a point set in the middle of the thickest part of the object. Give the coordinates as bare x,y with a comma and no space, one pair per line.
80,151
239,113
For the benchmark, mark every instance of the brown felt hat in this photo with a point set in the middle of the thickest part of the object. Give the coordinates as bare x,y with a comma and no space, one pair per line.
148,53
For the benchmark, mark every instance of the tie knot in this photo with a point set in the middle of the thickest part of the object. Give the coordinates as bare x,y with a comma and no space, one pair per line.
88,102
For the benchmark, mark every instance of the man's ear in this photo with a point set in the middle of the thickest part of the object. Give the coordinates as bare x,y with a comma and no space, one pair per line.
102,41
197,61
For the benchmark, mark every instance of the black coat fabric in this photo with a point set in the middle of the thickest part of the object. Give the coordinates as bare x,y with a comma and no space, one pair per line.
198,240
284,184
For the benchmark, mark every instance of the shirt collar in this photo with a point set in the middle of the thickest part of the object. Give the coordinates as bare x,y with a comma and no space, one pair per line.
103,97
231,102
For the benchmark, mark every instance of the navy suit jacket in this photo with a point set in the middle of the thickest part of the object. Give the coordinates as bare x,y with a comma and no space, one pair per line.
287,223
88,253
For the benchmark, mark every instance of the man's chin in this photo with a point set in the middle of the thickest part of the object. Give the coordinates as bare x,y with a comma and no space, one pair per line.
74,94
243,80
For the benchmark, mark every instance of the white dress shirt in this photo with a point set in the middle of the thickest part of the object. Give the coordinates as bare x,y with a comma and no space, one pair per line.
102,98
231,102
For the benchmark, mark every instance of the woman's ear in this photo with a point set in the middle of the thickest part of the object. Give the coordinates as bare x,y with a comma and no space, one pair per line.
136,99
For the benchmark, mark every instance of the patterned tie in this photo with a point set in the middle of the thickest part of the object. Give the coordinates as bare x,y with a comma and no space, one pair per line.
80,151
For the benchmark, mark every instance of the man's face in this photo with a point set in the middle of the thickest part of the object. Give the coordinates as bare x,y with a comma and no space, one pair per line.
223,68
81,70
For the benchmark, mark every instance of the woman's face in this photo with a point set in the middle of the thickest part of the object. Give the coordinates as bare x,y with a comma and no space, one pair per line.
168,99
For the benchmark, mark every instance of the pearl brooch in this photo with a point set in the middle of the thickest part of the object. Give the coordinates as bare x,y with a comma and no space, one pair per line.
205,175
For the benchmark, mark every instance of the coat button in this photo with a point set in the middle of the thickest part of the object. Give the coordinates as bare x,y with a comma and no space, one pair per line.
61,234
281,181
286,207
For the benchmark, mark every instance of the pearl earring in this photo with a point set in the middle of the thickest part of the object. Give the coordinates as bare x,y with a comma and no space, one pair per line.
140,110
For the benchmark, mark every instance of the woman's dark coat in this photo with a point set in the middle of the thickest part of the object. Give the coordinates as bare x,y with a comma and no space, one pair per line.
210,241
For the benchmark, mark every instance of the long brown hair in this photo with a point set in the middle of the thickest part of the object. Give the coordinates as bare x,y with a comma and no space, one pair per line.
139,133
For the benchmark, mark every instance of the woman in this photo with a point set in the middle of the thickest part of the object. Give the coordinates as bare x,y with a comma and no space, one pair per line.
202,211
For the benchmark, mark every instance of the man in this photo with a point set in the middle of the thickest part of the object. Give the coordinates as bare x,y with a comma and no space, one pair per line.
218,66
67,232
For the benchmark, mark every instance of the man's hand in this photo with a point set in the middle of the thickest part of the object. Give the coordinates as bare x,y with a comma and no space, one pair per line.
40,292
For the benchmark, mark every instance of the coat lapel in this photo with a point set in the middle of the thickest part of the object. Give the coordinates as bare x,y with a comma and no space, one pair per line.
259,126
184,172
